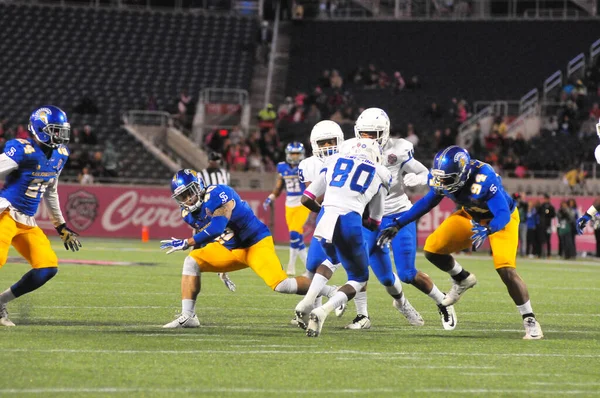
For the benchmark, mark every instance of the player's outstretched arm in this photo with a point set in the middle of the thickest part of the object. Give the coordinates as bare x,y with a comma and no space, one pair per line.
68,236
212,230
416,174
420,208
588,216
275,194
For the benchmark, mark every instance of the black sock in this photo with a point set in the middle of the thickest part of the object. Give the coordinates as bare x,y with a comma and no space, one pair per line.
461,276
528,315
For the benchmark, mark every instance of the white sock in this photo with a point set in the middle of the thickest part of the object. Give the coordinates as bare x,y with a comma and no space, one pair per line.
338,299
328,291
303,253
317,284
6,296
318,301
436,295
525,308
188,307
292,262
457,269
396,288
360,300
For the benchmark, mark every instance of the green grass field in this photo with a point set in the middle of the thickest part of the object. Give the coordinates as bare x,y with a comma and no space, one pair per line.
96,331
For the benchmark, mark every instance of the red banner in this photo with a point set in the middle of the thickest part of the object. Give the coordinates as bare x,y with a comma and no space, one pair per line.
122,211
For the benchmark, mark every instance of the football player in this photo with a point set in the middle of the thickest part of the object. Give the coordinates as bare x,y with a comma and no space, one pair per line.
32,167
487,211
398,157
349,182
228,237
593,210
295,214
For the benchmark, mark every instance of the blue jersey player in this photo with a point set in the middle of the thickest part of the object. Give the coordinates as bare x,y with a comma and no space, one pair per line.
295,214
228,237
32,167
486,211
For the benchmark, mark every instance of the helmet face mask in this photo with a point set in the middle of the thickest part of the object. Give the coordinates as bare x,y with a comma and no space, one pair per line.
451,169
326,138
373,123
294,153
188,189
49,126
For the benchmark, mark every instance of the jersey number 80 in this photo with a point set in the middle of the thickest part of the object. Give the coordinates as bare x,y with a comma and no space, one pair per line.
342,169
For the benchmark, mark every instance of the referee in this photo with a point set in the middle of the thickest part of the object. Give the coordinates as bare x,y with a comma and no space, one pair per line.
214,174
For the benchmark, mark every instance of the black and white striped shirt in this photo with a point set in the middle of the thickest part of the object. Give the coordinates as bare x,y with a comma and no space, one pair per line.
214,176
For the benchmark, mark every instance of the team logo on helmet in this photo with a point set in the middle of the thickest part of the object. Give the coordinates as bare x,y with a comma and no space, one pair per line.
42,114
392,159
82,209
461,159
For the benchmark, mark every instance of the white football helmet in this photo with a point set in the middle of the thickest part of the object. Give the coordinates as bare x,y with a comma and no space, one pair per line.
326,130
363,147
373,120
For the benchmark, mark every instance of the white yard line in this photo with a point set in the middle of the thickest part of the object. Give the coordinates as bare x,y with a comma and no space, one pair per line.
118,390
527,392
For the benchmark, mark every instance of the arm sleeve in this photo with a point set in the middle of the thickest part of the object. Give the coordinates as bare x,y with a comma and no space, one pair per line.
215,228
499,208
53,204
7,165
414,166
421,207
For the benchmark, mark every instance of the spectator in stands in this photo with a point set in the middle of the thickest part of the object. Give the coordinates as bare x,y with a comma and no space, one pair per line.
566,126
236,157
298,114
182,107
575,180
437,140
520,170
551,124
566,219
270,148
433,112
414,83
255,162
75,137
267,117
533,222
336,81
384,80
325,79
398,83
85,178
88,137
110,161
285,109
253,141
313,116
95,164
547,214
298,10
595,111
371,76
411,136
21,132
522,207
588,128
236,135
580,94
448,138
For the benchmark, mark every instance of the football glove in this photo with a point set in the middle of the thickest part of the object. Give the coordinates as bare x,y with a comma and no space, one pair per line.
387,235
268,202
228,282
414,180
174,245
69,237
581,223
480,234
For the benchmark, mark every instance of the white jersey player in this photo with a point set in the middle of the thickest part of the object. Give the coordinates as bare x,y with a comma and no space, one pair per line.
349,182
398,157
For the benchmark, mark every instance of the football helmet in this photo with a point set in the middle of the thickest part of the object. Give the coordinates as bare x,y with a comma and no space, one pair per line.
363,147
188,189
451,168
49,125
376,122
291,150
326,130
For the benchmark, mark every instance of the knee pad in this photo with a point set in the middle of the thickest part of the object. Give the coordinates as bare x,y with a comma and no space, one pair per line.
358,286
287,286
295,239
331,266
190,267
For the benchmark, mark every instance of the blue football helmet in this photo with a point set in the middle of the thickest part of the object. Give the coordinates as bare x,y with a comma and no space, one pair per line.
49,125
451,168
294,152
188,189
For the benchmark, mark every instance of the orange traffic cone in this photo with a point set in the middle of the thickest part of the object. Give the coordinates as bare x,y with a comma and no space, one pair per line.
145,234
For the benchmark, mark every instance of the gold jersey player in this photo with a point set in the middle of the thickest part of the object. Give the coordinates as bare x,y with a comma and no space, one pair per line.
295,214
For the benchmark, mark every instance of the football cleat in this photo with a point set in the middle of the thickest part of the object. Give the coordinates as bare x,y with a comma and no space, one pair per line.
315,324
533,330
183,321
412,316
458,288
448,316
4,321
359,322
302,314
